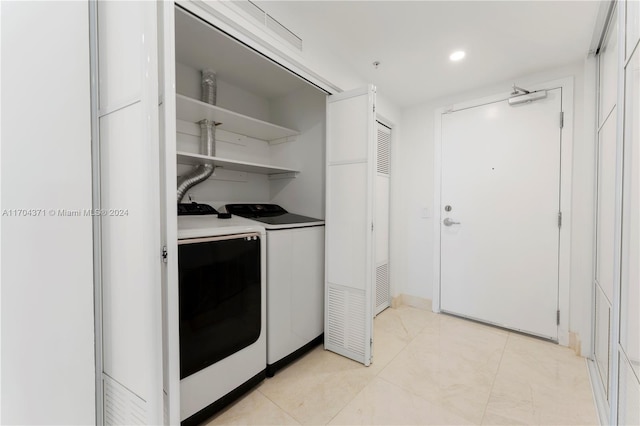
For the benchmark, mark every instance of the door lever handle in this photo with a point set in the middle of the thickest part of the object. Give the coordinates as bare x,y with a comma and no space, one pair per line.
449,222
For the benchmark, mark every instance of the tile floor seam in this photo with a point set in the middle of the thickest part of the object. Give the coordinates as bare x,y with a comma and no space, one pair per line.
282,408
377,375
484,413
351,400
389,363
407,331
393,358
369,381
407,390
415,395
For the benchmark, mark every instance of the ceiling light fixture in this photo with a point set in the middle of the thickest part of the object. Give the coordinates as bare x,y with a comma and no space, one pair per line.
457,55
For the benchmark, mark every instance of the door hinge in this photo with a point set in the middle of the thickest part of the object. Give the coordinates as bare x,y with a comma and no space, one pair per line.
558,317
165,254
371,226
561,119
559,219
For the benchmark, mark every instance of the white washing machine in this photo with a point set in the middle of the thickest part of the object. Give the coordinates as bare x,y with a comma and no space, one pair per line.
295,281
222,286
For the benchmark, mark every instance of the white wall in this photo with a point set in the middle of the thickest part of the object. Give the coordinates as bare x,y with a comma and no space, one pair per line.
305,111
225,186
412,188
229,96
47,276
415,180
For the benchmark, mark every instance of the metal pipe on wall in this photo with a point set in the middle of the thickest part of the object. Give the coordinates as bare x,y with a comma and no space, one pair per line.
207,139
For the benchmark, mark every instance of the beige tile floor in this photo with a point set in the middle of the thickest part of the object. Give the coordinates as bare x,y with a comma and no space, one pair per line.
428,369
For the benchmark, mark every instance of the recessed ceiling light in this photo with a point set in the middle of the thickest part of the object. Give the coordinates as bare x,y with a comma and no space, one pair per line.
457,55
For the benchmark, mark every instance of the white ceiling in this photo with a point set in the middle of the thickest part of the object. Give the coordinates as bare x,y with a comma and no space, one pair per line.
413,40
199,46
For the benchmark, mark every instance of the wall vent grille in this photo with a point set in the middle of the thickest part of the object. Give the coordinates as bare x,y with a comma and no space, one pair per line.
270,22
121,406
384,150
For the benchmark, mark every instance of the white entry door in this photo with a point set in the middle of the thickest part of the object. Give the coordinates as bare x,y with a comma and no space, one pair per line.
500,204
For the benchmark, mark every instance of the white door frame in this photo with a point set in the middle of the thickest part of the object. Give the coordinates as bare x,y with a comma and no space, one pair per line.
566,84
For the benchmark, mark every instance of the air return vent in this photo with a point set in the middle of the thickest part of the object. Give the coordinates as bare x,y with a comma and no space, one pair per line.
268,21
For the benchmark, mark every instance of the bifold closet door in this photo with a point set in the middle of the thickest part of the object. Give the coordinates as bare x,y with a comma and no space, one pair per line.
381,202
131,262
349,243
629,347
607,151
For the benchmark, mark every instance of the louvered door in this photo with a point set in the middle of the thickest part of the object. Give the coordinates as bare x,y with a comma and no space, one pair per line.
351,169
381,202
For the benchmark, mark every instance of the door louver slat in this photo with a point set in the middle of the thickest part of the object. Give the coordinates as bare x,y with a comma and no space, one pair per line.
382,287
345,321
121,406
384,150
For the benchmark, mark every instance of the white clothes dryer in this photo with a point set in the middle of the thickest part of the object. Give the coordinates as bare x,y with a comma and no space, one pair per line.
222,291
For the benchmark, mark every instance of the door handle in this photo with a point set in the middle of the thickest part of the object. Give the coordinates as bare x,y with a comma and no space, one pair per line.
449,222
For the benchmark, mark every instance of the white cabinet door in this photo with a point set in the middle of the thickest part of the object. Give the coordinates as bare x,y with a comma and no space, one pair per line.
131,262
351,159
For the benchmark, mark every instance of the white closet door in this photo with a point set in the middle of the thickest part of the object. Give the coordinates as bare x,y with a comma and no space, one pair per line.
606,208
629,348
168,211
351,160
381,202
130,226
